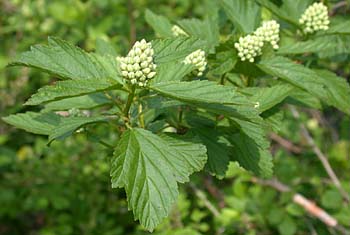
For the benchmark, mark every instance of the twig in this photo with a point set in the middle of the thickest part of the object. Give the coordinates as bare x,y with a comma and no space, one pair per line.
214,191
286,144
201,195
321,156
338,6
299,199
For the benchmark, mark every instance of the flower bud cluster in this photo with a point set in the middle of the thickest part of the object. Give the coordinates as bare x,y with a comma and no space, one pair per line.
249,47
315,18
138,67
177,31
269,32
197,58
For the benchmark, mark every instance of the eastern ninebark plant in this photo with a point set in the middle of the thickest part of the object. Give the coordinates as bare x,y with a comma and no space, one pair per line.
196,98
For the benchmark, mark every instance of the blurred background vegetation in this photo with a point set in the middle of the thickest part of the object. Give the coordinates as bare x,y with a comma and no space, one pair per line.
65,189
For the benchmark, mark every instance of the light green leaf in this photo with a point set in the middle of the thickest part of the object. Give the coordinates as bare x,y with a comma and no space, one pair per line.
325,46
206,30
245,14
341,27
105,48
160,24
328,87
200,92
268,97
149,167
173,71
175,49
37,123
66,61
70,88
80,102
68,125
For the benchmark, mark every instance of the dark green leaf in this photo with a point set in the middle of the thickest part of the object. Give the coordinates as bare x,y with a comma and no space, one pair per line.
37,123
68,125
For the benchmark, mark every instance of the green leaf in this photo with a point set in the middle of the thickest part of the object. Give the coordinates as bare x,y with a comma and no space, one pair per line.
268,97
70,88
67,61
251,156
206,30
290,11
173,71
218,150
104,47
245,14
325,46
149,167
175,49
200,92
328,87
80,102
68,125
160,24
37,123
342,27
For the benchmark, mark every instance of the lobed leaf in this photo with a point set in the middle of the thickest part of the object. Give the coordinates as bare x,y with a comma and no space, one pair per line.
149,167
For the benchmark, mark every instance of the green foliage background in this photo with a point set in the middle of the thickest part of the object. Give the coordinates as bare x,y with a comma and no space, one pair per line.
65,188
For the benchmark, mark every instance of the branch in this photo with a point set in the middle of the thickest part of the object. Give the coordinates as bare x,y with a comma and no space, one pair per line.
321,156
288,145
201,195
299,199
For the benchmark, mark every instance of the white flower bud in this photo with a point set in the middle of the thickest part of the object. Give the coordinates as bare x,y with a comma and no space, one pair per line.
177,31
197,58
315,18
269,32
137,67
249,47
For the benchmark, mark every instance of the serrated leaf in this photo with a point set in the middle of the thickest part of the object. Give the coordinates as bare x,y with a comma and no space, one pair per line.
200,92
80,102
218,150
342,27
268,97
149,167
245,14
37,123
66,61
325,46
251,156
290,11
104,47
173,71
68,125
160,24
175,49
70,88
328,87
206,30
